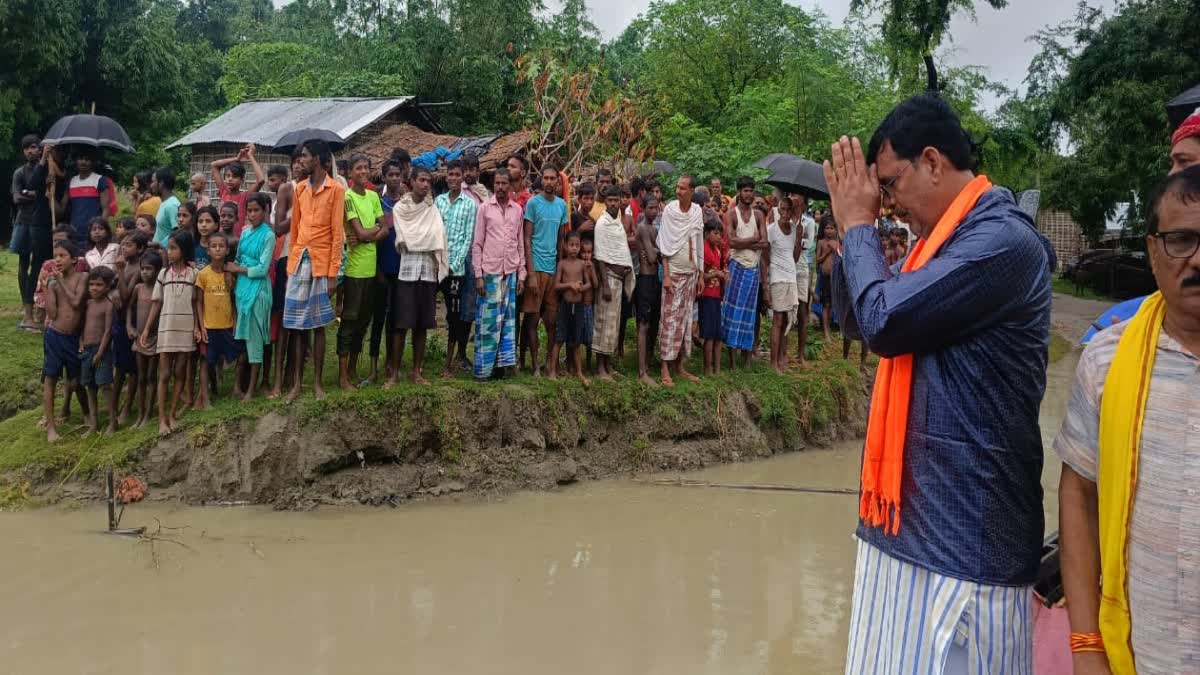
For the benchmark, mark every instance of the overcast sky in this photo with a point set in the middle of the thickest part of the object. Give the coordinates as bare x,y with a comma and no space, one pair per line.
995,40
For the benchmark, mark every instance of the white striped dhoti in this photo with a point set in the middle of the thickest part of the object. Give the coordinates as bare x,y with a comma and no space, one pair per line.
907,620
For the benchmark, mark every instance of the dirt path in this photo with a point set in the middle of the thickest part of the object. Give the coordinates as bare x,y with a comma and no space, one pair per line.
1071,317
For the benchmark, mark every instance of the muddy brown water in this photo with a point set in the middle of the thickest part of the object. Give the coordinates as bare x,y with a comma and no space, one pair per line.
604,577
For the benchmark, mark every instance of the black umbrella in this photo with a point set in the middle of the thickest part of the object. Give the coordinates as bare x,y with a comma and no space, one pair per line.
801,177
1183,105
97,131
776,161
292,139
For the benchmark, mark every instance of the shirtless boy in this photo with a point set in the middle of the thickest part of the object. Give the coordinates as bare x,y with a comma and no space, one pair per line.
571,280
648,290
826,248
95,356
65,295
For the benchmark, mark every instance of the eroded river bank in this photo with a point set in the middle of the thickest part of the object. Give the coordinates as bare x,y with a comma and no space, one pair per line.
600,577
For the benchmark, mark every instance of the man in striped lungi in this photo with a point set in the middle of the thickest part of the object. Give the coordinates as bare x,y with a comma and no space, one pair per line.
951,522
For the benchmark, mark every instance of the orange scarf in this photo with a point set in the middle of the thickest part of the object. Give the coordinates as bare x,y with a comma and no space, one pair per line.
883,456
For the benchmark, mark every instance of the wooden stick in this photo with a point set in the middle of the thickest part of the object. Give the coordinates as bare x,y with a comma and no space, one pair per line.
683,482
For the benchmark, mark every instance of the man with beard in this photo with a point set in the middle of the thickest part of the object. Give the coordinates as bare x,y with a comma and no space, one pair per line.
680,245
746,232
615,273
498,254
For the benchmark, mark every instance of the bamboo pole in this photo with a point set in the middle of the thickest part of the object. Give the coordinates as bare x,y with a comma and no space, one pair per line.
683,482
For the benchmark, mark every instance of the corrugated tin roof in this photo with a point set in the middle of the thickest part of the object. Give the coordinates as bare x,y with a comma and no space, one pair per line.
265,122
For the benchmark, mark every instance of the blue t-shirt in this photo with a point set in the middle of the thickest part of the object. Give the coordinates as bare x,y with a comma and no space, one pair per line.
166,220
547,217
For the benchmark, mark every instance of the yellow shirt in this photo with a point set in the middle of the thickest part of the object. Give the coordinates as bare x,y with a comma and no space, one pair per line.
218,299
149,207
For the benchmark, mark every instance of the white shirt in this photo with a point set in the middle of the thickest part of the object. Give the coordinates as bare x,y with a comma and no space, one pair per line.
783,265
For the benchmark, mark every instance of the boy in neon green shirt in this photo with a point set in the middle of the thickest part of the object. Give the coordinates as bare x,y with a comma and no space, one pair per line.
364,226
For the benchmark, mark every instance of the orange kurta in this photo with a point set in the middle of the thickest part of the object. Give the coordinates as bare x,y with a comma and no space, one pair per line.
318,225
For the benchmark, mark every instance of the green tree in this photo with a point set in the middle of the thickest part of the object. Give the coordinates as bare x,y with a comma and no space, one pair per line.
1110,101
912,29
699,53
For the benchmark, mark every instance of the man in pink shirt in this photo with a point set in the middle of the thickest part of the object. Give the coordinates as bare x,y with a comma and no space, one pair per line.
498,257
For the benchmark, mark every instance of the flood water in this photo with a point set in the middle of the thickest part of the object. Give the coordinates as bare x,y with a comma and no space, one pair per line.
604,577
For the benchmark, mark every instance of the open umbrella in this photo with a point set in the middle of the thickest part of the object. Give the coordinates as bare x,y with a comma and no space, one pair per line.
1183,105
97,131
1122,311
776,161
289,141
801,177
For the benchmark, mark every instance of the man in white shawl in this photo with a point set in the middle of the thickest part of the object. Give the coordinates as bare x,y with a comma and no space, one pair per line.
615,275
424,262
681,245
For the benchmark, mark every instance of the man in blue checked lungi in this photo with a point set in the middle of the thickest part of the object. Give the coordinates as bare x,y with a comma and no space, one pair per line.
951,521
746,234
498,265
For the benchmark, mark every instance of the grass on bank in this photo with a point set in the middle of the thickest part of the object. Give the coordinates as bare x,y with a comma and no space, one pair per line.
801,399
20,351
1067,287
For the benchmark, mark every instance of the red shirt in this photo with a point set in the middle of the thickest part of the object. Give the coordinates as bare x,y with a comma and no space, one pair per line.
712,261
240,200
522,199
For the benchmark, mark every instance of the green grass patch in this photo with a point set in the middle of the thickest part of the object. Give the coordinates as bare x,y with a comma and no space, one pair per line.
1067,287
1059,347
21,356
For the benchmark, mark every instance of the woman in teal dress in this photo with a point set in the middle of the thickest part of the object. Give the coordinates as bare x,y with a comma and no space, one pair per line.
252,292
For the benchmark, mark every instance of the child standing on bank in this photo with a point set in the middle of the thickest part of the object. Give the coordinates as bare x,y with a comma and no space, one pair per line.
137,318
103,252
175,311
145,225
231,176
133,247
647,290
185,218
66,292
571,280
95,357
215,309
252,289
710,297
587,253
206,225
826,248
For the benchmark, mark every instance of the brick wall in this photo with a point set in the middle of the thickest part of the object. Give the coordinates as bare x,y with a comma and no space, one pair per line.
1064,234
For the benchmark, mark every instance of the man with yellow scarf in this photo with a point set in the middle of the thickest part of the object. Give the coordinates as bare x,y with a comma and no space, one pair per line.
951,522
1129,496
